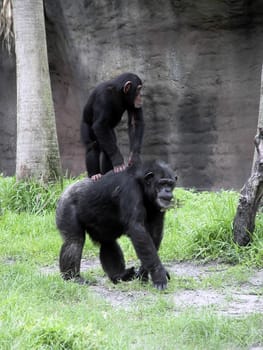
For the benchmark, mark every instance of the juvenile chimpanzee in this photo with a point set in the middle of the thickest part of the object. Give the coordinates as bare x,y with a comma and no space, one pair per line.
102,113
131,202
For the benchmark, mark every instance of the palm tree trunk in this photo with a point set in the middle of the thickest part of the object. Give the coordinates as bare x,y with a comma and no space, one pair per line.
37,145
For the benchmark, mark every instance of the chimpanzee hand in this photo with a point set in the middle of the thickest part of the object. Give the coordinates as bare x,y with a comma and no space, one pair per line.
119,168
160,277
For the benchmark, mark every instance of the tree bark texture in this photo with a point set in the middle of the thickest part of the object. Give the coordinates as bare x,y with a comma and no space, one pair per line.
260,115
251,194
37,145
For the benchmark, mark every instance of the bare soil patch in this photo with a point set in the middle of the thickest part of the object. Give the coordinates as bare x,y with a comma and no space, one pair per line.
235,299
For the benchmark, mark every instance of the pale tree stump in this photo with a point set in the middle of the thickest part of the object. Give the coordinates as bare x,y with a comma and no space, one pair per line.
250,196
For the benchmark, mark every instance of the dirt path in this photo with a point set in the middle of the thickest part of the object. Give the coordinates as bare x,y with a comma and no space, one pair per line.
230,298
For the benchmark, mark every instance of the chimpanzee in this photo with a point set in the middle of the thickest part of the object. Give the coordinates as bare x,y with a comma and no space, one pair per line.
132,202
102,113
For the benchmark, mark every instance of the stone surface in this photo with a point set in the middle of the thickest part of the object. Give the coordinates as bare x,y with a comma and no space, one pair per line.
201,66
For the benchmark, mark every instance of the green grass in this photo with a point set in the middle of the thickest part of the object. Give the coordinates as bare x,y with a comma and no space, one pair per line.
201,228
40,311
29,196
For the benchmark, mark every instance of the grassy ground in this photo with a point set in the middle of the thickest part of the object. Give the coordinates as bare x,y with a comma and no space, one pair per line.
40,311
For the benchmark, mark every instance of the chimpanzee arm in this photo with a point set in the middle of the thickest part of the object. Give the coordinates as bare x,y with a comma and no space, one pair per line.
135,130
147,253
107,140
155,228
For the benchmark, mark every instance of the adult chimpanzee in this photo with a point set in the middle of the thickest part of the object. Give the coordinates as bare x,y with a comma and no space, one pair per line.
102,113
131,202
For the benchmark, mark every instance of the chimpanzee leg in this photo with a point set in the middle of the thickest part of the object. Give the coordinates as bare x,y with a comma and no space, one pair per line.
113,264
105,163
70,255
92,160
92,156
155,228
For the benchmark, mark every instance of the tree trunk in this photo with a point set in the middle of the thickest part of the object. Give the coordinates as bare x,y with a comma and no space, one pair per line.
37,145
251,194
260,116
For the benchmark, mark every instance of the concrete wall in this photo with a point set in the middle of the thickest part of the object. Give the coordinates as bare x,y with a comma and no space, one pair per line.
200,62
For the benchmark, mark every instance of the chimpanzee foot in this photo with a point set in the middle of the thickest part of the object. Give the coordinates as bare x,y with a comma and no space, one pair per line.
142,275
80,280
76,279
127,275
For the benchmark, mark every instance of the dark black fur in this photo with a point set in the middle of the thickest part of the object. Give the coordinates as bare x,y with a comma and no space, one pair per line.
131,202
102,113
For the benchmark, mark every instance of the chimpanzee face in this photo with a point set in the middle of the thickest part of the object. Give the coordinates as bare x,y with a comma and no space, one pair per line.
159,186
138,97
164,191
133,95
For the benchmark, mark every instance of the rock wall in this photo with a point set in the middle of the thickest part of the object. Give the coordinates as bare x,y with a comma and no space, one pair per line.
200,62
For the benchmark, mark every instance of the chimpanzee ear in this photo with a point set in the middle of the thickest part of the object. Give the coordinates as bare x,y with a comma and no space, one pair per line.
127,86
148,177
